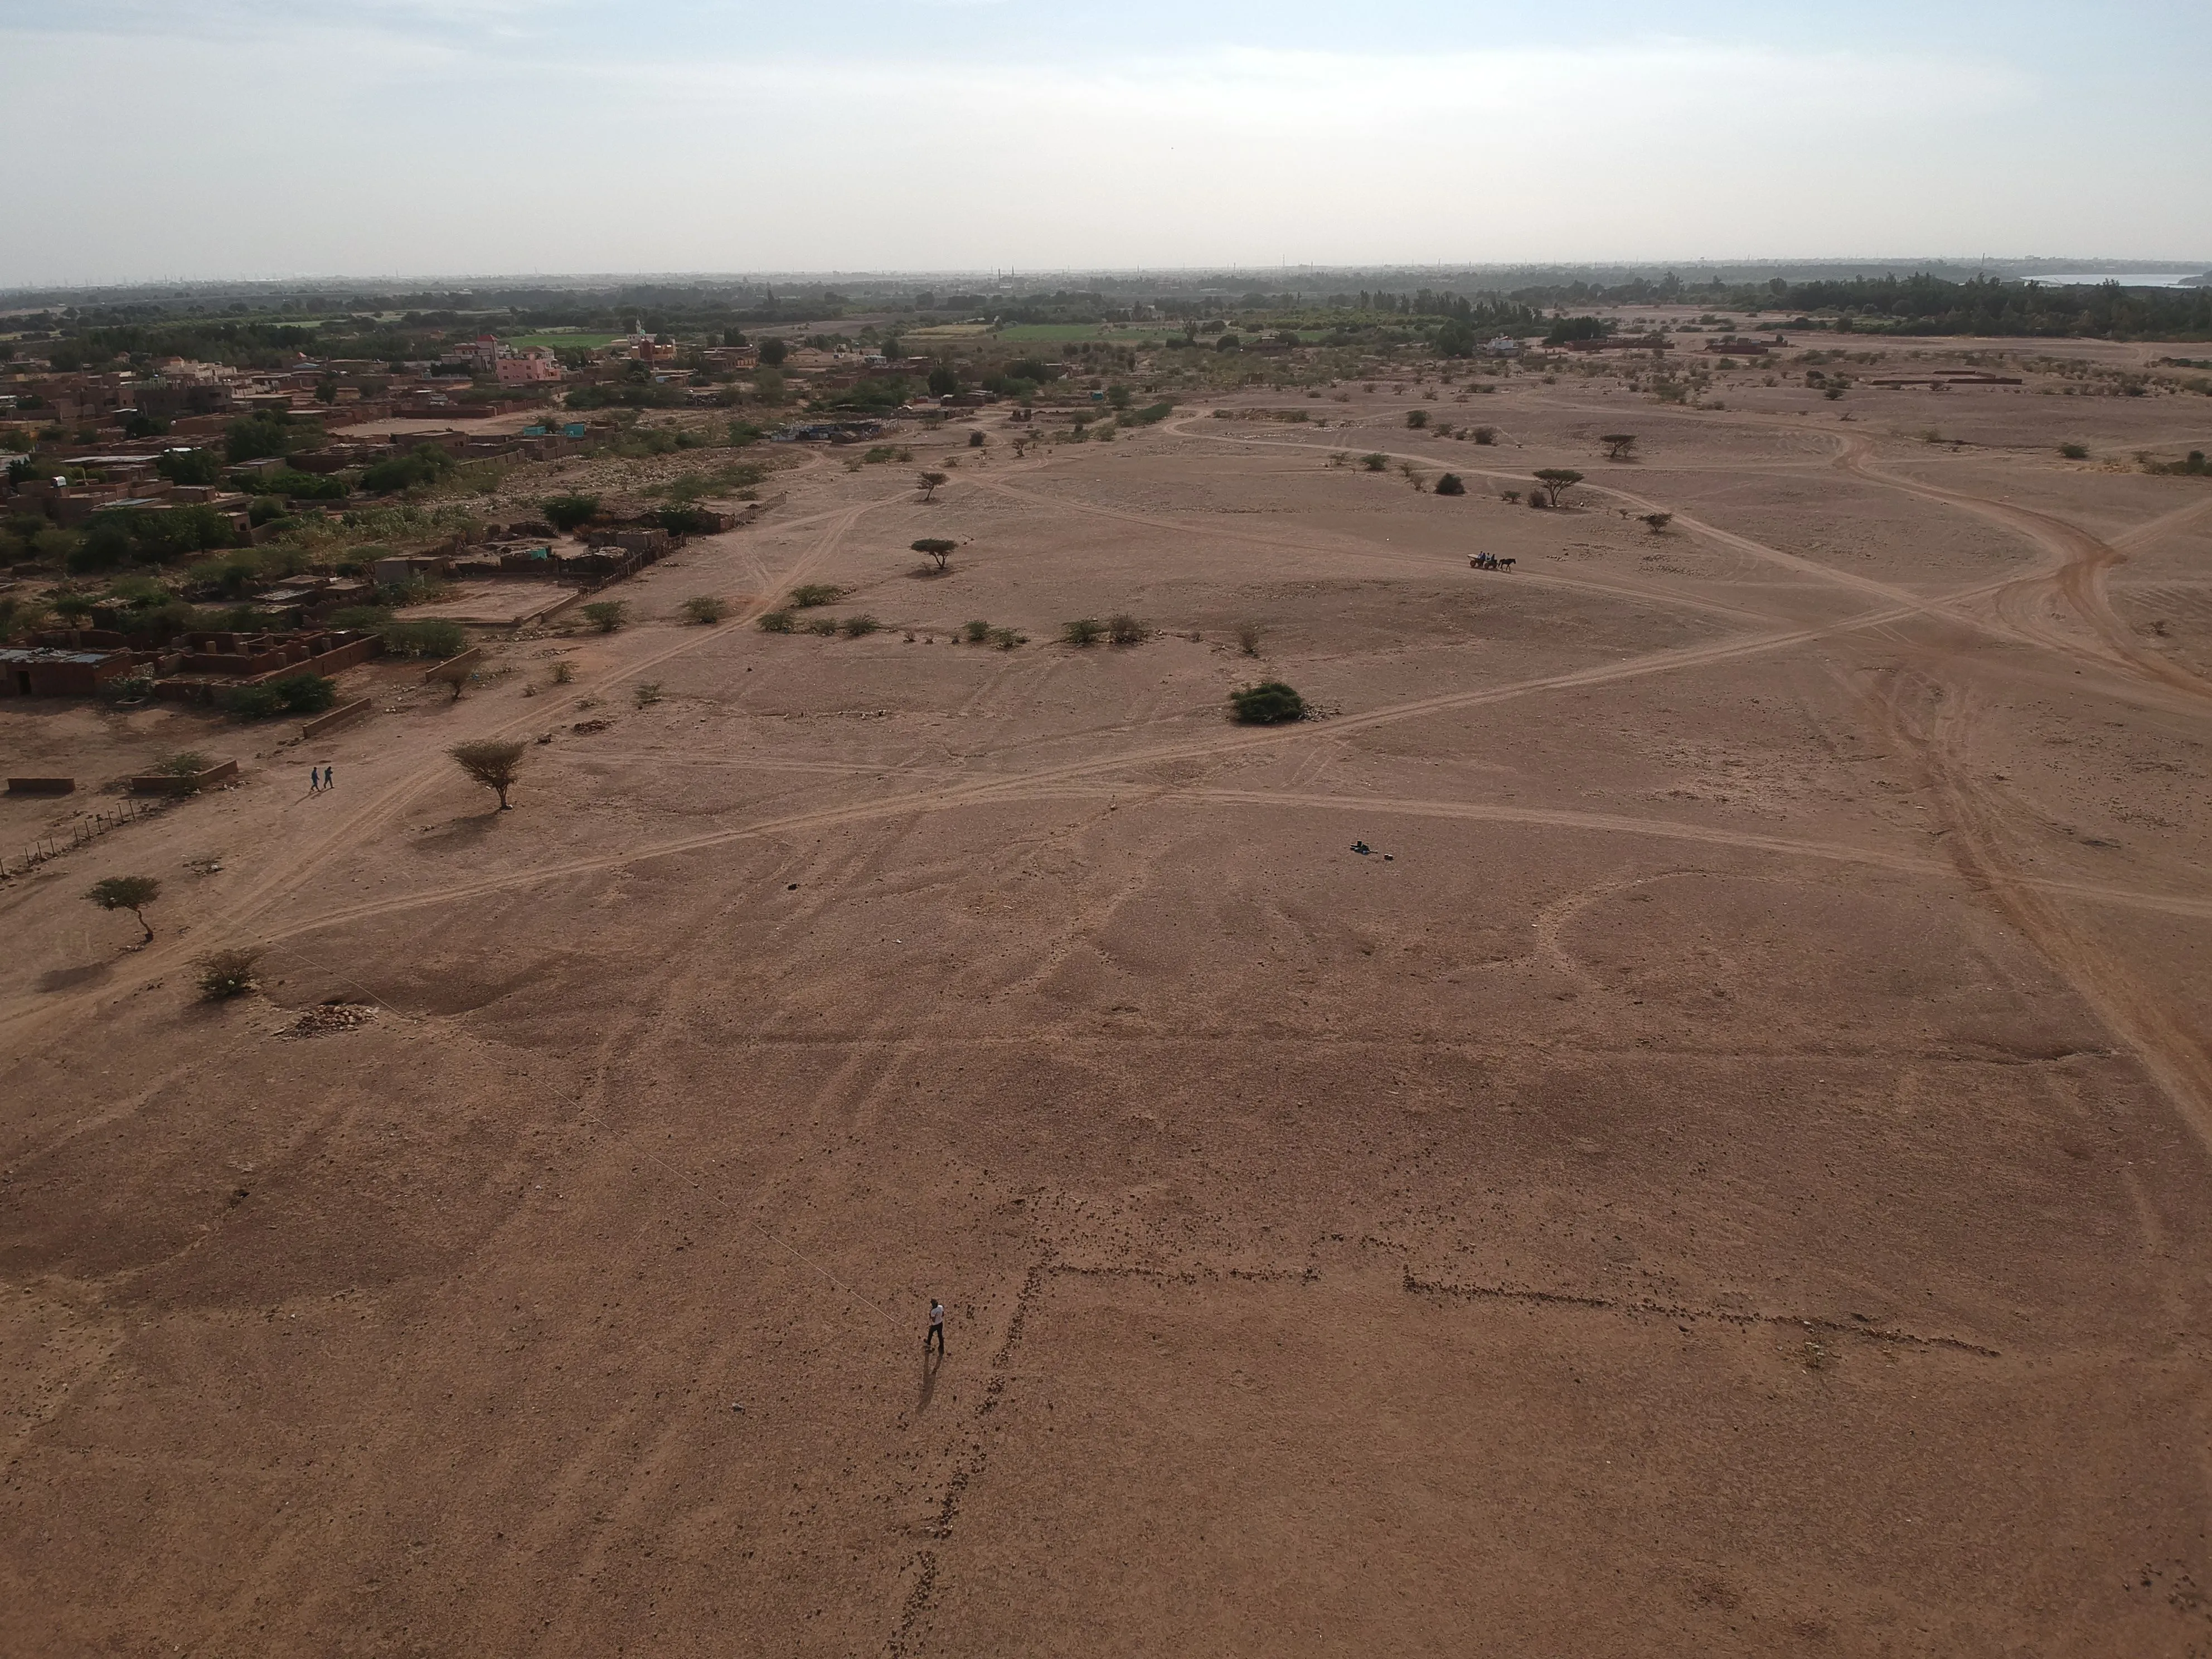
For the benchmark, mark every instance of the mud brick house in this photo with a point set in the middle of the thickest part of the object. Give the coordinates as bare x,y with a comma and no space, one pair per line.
47,671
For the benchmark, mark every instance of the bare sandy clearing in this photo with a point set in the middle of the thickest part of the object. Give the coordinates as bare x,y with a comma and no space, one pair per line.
1726,1169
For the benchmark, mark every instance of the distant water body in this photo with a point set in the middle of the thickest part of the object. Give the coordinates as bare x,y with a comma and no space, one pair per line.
2125,279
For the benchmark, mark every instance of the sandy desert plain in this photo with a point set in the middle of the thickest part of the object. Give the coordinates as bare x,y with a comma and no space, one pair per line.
1726,1174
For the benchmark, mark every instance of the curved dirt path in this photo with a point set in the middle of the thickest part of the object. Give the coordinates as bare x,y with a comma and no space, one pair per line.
2080,563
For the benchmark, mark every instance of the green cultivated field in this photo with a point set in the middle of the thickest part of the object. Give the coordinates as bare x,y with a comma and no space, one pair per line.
1015,332
558,341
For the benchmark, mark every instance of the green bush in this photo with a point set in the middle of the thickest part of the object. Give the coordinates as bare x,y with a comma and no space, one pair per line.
1377,462
814,593
303,692
1417,418
436,640
1006,639
359,618
976,632
306,692
1577,328
308,486
856,626
778,622
2074,452
606,614
685,520
565,513
202,467
1122,628
1451,485
426,463
269,432
253,703
705,608
1271,702
124,536
1084,630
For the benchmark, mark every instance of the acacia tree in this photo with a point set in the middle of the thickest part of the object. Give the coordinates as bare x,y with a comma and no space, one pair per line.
929,481
131,893
490,762
1617,444
1557,481
938,549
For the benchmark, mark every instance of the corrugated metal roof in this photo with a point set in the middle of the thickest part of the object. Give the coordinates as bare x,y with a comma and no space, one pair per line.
38,653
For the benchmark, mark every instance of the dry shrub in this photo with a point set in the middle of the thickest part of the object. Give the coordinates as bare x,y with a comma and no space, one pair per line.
226,974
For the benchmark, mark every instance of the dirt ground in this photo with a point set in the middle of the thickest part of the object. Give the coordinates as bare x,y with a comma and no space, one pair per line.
1725,1173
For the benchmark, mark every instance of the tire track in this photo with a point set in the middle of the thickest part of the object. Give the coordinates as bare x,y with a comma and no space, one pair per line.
1340,548
2081,564
2170,1050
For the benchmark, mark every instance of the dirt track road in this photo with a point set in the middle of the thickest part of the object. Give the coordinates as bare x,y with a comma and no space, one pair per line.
1674,1117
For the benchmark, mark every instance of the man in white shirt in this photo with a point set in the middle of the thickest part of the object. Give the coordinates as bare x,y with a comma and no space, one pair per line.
936,1328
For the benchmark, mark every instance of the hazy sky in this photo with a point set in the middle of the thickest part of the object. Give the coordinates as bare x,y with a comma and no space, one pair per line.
154,138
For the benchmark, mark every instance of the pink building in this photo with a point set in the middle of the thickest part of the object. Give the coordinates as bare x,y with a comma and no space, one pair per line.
536,366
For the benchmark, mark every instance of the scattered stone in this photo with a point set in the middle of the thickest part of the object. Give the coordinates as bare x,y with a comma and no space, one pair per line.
330,1016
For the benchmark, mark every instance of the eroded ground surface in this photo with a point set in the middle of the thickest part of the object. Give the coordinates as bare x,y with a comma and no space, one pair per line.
1732,1180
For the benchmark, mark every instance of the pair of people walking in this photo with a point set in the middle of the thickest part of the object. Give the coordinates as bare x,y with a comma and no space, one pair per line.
320,778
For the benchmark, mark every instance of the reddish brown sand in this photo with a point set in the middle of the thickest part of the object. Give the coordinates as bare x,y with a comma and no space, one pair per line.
1727,1174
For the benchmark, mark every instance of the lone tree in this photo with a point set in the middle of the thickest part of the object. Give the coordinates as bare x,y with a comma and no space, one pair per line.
1617,444
490,762
1557,481
938,549
1451,485
565,513
929,481
1656,522
131,893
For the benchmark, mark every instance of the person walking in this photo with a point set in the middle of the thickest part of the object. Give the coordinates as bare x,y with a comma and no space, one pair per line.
330,777
314,780
936,1328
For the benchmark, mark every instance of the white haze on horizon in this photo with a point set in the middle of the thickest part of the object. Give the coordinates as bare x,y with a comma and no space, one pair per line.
238,137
